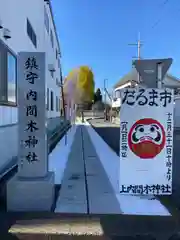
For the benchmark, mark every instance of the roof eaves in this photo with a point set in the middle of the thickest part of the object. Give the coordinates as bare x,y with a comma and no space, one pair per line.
124,80
173,77
54,25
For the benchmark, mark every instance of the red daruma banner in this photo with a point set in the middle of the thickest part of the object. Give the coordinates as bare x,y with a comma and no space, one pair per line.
146,141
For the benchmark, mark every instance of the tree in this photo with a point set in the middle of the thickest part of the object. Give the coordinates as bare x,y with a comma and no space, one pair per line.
98,96
79,85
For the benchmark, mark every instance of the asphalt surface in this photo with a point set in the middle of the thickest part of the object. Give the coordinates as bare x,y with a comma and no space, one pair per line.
108,131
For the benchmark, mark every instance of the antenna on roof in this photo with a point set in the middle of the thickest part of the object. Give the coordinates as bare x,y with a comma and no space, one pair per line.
139,45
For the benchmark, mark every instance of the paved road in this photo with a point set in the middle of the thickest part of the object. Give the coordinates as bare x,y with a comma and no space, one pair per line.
108,131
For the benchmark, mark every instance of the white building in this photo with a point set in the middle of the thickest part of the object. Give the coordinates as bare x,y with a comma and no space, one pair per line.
25,26
130,80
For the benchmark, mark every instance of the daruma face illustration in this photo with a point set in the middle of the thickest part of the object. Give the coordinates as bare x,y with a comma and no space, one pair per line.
146,138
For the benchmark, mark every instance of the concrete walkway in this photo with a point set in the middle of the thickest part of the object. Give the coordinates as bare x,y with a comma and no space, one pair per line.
72,197
85,186
59,156
101,195
90,181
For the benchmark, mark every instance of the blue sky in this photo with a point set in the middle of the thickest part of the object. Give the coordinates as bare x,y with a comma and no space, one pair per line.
96,33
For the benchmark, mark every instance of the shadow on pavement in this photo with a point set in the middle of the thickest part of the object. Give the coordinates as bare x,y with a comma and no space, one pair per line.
110,135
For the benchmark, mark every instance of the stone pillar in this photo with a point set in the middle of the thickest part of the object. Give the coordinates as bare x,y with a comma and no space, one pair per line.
32,188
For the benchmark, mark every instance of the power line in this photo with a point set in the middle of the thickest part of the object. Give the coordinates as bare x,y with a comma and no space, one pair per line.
139,42
165,2
159,20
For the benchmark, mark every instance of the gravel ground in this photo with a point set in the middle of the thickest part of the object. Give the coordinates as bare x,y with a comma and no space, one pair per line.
54,226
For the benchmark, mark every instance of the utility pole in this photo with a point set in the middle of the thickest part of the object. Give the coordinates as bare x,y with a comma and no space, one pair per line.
62,93
105,90
138,45
63,100
105,80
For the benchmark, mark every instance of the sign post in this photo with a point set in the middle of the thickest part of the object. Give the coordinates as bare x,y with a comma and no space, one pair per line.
151,69
146,141
146,132
159,75
32,188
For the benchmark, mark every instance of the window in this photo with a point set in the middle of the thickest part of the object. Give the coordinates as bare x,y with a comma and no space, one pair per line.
52,74
57,105
56,53
11,77
52,39
58,83
31,33
59,64
47,97
46,20
8,76
117,94
52,101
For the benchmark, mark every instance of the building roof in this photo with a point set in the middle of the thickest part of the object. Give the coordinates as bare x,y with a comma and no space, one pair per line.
54,25
132,76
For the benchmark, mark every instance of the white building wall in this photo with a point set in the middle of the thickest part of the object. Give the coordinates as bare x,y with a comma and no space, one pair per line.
51,59
168,82
8,144
14,14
